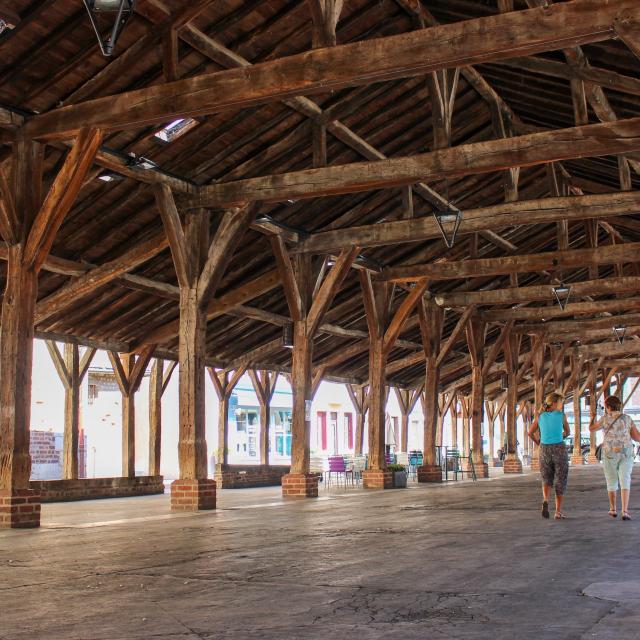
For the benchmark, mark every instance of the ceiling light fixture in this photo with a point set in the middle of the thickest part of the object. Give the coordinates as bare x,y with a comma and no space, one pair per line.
562,293
619,331
117,12
287,335
448,218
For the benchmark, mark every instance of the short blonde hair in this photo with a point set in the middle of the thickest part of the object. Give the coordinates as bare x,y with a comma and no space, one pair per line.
551,399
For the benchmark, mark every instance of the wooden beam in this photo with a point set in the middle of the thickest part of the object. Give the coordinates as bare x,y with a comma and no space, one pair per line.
9,225
468,159
523,212
99,276
538,292
61,197
285,268
400,317
405,55
455,334
569,259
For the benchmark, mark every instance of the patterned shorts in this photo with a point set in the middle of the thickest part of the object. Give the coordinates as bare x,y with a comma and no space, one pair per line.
554,466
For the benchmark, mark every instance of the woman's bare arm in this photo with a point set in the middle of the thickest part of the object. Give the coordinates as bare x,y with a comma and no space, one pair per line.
565,427
534,431
597,425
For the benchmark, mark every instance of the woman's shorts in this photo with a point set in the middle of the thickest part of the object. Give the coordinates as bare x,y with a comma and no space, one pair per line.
617,468
554,466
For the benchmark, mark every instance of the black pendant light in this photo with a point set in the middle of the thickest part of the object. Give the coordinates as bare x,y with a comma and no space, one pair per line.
448,218
504,382
562,293
619,331
113,14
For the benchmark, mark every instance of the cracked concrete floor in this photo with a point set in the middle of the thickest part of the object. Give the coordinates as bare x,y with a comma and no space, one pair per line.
472,560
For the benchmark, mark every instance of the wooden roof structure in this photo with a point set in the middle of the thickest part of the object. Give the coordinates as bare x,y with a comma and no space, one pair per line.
336,130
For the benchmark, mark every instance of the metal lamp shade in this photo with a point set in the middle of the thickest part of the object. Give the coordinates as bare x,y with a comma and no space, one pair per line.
121,11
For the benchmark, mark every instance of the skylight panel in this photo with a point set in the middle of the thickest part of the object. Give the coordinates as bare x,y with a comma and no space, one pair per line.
176,129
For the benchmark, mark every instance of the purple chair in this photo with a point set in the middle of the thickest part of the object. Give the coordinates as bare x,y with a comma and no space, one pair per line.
338,467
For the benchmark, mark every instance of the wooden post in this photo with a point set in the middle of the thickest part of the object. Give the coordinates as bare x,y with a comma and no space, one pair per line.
454,421
431,318
28,226
264,383
475,341
490,412
360,399
465,403
511,347
200,264
224,384
593,411
407,401
307,312
537,365
157,386
577,458
71,370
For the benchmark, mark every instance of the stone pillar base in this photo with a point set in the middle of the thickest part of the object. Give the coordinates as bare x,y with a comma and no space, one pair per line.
482,470
535,464
429,473
577,460
300,485
19,509
591,459
512,465
193,495
377,479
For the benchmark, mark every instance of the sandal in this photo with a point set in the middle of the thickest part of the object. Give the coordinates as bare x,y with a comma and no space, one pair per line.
625,515
545,509
560,516
613,513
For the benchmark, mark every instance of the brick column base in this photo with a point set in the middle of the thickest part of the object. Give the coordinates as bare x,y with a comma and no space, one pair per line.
377,479
482,470
19,509
591,459
577,461
535,463
300,485
513,465
430,473
193,495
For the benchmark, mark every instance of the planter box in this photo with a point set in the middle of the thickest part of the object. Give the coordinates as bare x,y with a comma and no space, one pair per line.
400,479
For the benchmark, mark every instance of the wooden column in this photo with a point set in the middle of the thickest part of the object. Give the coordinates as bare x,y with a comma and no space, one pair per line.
407,400
224,383
383,333
360,399
537,365
577,457
200,264
511,347
308,305
264,383
502,421
157,386
475,341
28,227
465,404
593,411
490,412
454,421
71,370
431,318
129,370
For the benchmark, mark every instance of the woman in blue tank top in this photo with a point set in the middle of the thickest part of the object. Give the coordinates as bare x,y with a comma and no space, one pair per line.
549,431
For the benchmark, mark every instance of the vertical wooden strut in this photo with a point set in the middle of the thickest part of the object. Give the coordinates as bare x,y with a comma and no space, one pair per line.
28,226
593,410
224,384
454,420
360,399
511,348
307,313
158,383
264,383
577,458
490,412
407,400
537,366
129,370
476,329
384,330
431,318
465,404
71,370
200,265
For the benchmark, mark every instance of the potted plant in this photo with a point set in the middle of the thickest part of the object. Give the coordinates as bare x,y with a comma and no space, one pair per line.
399,472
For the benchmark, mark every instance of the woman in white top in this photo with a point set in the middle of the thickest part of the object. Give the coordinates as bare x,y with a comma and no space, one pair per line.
617,453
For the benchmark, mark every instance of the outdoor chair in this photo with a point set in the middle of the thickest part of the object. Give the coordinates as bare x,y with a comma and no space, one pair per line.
338,469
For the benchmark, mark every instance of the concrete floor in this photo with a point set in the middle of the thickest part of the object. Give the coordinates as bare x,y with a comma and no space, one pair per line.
456,561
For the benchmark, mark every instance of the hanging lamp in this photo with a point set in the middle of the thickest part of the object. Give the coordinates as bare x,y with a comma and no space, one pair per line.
448,218
287,335
619,331
115,14
562,293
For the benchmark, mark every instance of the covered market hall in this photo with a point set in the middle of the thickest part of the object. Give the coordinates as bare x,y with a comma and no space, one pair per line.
354,244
